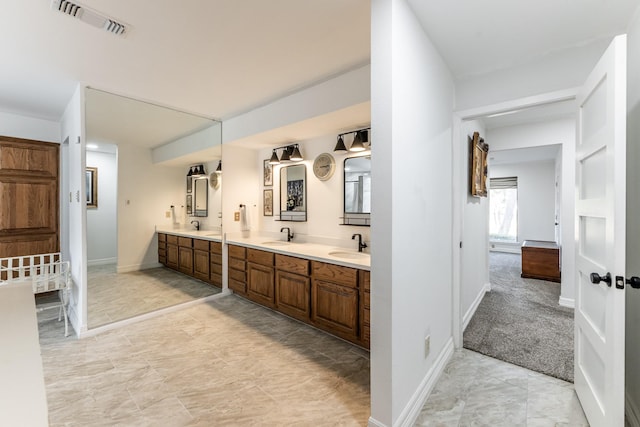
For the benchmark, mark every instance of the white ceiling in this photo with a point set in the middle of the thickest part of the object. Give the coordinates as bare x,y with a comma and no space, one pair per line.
524,155
217,58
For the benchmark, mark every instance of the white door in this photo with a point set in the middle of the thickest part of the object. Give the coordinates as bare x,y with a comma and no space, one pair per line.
600,234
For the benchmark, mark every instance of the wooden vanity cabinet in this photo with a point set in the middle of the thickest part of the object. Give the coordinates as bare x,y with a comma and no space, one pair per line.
237,269
335,299
293,287
201,260
162,248
215,266
185,255
260,277
365,306
172,251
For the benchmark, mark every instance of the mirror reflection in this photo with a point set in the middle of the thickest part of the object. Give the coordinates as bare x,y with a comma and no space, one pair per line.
293,198
140,188
357,190
201,197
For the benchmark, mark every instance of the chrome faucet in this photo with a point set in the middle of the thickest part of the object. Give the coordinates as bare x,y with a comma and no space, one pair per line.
361,244
197,224
289,233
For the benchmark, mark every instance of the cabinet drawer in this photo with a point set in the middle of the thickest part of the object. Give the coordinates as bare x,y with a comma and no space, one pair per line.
215,248
162,252
260,257
215,259
366,335
237,286
237,275
237,264
201,245
171,239
366,318
335,273
216,279
215,268
185,242
292,264
162,237
367,300
237,251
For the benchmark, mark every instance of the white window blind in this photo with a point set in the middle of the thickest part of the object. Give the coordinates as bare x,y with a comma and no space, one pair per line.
502,183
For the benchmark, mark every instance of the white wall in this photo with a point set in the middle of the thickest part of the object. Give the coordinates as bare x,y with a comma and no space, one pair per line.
145,193
633,219
29,128
474,274
72,129
411,257
239,177
325,205
101,222
536,197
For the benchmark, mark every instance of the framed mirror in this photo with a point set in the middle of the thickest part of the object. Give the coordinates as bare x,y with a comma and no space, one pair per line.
201,197
293,193
357,191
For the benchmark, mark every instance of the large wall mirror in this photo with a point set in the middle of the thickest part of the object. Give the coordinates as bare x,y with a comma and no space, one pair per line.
137,192
293,193
357,191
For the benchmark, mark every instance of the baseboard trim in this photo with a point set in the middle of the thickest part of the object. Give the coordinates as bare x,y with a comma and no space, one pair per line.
103,261
474,306
567,302
137,267
412,409
506,250
632,414
116,325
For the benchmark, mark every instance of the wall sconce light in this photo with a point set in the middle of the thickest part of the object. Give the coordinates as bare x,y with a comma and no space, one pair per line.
360,137
290,153
196,170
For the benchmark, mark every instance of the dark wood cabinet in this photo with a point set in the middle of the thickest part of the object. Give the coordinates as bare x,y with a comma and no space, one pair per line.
172,251
540,260
215,266
201,260
162,248
185,255
237,269
260,277
365,306
293,295
335,308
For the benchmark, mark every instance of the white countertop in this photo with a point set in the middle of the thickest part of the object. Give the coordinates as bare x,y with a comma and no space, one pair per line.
23,400
212,235
332,254
313,251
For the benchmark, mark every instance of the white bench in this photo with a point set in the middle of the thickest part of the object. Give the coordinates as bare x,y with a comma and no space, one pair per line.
45,273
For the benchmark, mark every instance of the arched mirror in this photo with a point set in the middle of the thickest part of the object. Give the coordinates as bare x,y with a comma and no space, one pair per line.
293,193
357,191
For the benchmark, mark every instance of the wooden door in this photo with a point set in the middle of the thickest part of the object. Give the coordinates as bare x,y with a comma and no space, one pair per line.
335,308
29,199
293,295
260,284
600,237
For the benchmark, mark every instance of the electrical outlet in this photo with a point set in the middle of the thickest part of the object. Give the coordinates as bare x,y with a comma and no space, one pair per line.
427,345
236,216
167,214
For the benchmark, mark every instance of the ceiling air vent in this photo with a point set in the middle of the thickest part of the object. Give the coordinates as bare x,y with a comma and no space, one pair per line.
89,16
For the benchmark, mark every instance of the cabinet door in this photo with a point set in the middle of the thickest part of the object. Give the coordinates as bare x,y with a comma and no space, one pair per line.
172,256
335,308
185,260
260,286
201,264
293,295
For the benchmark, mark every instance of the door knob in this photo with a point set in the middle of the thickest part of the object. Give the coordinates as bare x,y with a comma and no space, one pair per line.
634,282
596,278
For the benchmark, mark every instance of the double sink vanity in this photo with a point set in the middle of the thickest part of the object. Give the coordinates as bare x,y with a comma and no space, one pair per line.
320,284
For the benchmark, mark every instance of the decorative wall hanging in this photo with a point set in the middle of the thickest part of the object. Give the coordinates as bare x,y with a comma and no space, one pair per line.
91,178
478,153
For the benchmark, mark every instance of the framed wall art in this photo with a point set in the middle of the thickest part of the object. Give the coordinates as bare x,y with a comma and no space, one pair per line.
91,183
478,154
268,173
267,201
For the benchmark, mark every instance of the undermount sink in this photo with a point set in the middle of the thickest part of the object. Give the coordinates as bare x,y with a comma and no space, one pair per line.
349,255
275,243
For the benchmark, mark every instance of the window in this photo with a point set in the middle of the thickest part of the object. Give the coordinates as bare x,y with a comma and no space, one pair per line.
503,209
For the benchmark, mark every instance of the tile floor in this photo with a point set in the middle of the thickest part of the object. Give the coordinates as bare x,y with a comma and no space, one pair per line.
231,362
115,296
